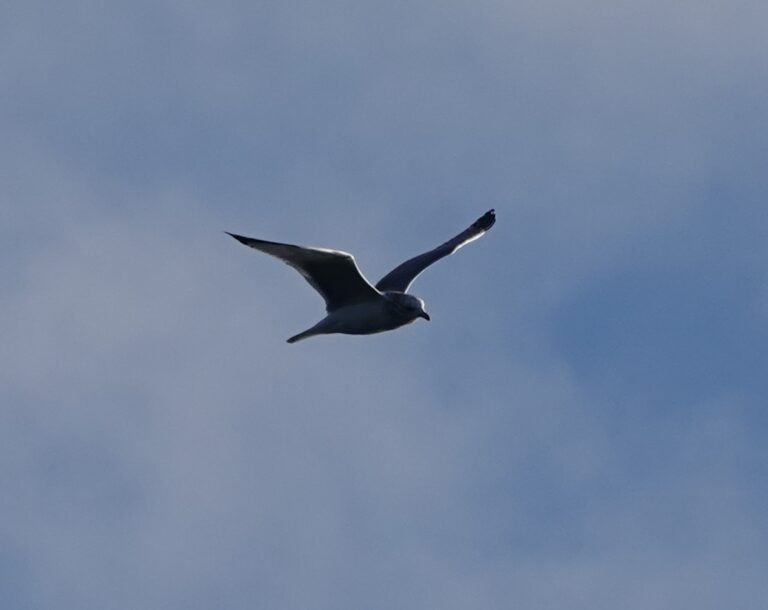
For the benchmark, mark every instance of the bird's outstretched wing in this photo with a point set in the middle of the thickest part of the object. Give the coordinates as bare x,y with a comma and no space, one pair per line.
400,277
332,273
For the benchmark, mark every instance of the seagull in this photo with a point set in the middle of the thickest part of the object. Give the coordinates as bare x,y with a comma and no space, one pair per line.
353,305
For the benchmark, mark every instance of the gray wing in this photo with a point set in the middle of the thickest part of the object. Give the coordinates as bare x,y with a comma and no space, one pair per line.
400,277
332,273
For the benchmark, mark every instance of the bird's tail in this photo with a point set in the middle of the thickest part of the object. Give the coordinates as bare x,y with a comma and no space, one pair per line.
317,329
323,327
303,335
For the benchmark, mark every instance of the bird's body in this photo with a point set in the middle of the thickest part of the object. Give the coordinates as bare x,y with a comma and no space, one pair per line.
364,318
353,305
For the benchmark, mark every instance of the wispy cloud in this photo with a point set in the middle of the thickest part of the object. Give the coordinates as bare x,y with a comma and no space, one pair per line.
580,425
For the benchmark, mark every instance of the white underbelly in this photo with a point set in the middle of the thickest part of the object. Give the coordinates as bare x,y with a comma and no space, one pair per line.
363,319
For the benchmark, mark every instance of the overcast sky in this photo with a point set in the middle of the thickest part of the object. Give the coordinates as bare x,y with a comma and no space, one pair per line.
583,423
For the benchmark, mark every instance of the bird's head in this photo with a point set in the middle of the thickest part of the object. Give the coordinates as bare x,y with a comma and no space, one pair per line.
406,305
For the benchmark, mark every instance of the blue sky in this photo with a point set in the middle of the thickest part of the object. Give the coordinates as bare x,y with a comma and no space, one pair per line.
581,425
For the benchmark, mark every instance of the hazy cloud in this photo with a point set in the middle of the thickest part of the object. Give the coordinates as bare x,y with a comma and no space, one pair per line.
581,424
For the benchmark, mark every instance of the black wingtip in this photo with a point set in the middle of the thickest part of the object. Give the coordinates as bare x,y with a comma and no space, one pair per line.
486,221
240,238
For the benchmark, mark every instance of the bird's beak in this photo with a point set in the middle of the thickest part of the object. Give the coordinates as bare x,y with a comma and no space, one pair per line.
424,315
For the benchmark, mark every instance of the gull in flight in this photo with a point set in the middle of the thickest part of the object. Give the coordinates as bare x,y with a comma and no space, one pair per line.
353,305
